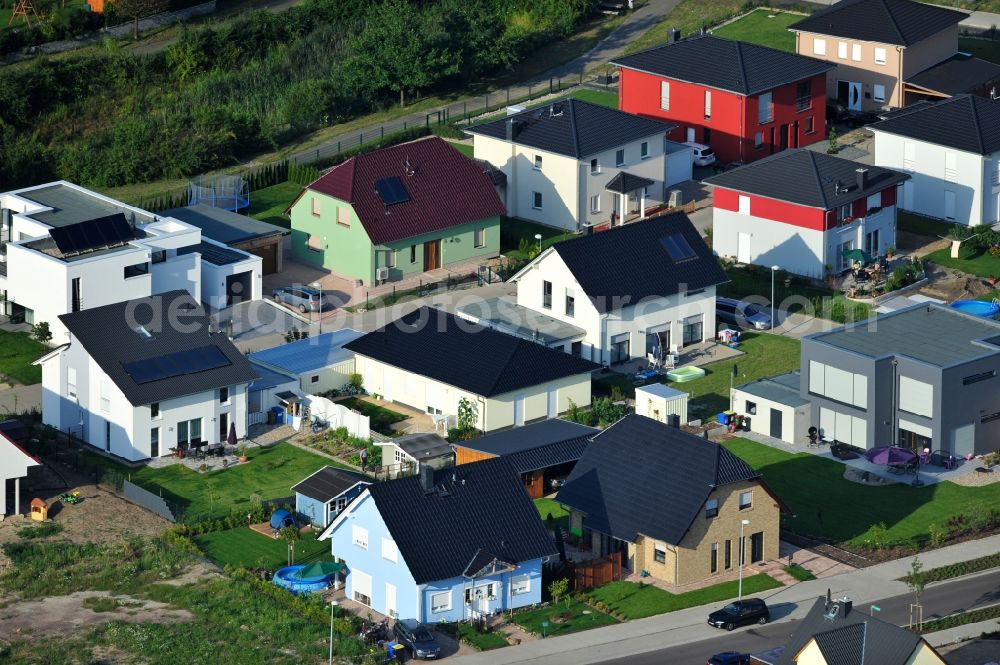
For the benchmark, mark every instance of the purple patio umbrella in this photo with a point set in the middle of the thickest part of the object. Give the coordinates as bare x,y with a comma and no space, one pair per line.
887,455
231,439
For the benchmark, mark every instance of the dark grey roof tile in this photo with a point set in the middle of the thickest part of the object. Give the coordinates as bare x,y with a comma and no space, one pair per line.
898,22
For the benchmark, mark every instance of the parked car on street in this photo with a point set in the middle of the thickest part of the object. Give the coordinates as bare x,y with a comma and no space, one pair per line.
742,314
730,658
703,155
740,613
303,298
417,638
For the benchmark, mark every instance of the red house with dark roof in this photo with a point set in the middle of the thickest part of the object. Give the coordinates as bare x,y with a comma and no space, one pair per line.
743,100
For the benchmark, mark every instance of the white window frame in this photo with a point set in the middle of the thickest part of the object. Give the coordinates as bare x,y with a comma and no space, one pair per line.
105,395
879,55
664,95
71,382
765,108
479,238
389,550
620,157
437,607
520,584
537,165
819,46
842,50
708,105
749,504
878,92
743,203
595,203
711,508
644,150
359,536
317,206
659,553
856,52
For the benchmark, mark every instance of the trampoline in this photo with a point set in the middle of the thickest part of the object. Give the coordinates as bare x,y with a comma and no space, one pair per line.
307,578
228,192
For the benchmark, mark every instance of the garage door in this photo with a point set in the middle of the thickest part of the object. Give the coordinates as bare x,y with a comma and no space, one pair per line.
269,256
238,288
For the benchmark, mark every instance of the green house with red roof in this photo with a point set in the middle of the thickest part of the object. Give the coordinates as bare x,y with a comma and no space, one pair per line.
398,212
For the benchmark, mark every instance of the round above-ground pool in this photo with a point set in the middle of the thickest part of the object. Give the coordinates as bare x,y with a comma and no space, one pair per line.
978,307
291,578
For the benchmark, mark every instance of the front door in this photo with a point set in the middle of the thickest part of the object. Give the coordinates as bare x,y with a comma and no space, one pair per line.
223,427
690,135
432,255
776,423
783,137
871,243
793,137
743,248
757,547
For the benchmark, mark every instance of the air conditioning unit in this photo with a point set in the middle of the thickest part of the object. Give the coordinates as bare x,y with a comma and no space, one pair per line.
381,274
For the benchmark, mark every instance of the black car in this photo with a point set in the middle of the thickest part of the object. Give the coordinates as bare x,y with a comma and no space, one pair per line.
740,613
417,638
730,658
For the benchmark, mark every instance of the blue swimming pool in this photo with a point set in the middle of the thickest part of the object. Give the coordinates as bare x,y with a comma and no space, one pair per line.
977,307
288,578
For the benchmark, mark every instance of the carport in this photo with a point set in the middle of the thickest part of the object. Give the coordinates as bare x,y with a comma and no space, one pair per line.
237,231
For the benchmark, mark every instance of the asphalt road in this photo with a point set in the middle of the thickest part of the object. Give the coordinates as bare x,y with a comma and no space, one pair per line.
938,600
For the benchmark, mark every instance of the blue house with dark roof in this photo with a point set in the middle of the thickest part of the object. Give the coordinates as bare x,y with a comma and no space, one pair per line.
443,546
670,503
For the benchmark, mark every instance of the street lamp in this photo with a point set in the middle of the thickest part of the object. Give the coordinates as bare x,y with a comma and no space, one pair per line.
333,605
774,269
743,525
319,285
538,237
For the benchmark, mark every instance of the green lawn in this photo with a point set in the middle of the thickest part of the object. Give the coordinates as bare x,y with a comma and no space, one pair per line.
987,49
380,418
766,355
688,17
464,148
799,573
609,99
271,472
971,259
467,633
548,507
17,352
823,303
763,26
638,600
577,615
269,204
512,230
844,511
920,225
249,549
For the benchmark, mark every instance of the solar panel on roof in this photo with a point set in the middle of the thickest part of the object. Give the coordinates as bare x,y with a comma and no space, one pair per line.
391,190
677,246
179,363
93,234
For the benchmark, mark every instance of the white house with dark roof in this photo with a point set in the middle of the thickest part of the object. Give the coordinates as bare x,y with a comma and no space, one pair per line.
141,378
573,163
951,150
645,288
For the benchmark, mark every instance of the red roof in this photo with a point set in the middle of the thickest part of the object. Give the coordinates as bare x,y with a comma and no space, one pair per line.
445,189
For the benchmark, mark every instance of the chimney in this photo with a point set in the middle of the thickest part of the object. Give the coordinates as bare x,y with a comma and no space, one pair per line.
675,35
673,420
427,478
862,178
847,604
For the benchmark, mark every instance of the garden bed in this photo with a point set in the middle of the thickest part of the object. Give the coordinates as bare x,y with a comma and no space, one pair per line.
961,568
567,616
965,618
338,443
486,640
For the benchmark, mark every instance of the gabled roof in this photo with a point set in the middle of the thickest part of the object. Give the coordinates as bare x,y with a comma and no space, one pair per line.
536,446
573,127
329,483
109,335
641,476
626,183
724,64
808,178
841,638
897,22
443,189
473,509
435,344
966,123
309,354
598,262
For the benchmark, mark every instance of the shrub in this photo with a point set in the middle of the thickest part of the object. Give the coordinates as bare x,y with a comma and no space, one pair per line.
877,537
938,534
41,531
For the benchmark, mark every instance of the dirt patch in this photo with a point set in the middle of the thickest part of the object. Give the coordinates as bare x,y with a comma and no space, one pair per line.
949,285
977,479
57,615
197,573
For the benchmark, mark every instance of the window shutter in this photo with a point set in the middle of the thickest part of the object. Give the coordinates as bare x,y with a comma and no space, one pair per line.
858,208
888,197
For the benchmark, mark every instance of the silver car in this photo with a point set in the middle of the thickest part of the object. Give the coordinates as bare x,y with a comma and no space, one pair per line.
303,298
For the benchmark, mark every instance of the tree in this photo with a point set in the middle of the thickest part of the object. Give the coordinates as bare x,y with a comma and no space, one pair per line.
290,534
558,589
136,9
916,580
40,332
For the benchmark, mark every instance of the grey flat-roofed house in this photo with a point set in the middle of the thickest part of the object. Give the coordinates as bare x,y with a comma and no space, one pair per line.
921,377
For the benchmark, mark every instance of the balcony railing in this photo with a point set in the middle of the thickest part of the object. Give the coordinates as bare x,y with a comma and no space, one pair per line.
803,103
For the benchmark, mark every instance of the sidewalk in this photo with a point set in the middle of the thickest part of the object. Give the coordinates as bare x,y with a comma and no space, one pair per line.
684,626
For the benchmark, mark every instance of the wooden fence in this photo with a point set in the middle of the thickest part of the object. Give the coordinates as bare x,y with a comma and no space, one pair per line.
595,572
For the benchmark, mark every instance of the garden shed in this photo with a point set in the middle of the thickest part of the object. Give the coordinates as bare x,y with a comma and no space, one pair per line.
658,401
321,496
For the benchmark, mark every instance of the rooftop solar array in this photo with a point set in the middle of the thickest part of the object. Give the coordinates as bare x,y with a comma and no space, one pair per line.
179,363
93,234
391,190
677,246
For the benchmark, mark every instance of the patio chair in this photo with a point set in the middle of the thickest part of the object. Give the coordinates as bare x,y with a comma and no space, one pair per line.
652,362
670,362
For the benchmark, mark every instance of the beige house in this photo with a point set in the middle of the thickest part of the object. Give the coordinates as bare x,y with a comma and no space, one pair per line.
433,362
891,52
680,514
834,632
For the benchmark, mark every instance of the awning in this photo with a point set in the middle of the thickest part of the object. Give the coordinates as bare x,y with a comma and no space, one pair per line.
288,397
484,564
624,183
